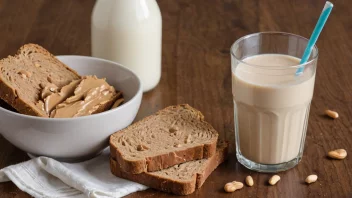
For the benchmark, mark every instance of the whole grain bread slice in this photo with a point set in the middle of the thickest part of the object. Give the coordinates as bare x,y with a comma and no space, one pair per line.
180,179
21,76
174,135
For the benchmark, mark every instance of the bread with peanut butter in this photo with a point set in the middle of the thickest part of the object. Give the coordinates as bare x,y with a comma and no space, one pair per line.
22,75
174,135
182,179
35,83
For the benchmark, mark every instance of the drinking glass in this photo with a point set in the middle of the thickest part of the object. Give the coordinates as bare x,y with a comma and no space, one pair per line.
271,102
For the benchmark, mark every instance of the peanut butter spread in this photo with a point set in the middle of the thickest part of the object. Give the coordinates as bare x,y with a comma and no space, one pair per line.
52,97
48,89
90,94
78,98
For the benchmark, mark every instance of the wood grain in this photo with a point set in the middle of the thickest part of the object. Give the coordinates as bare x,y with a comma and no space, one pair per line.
197,36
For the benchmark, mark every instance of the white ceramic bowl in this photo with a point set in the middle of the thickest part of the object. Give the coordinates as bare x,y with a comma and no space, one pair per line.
76,139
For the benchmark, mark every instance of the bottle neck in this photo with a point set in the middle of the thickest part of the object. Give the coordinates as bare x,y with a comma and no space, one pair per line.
138,8
130,4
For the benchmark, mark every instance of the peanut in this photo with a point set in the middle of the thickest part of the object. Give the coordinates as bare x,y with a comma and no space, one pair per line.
332,114
311,179
249,180
274,179
233,186
338,154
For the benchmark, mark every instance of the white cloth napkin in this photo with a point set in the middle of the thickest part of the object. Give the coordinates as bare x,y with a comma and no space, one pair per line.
46,177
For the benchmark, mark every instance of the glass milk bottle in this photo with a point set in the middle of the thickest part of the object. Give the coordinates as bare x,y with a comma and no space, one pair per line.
129,32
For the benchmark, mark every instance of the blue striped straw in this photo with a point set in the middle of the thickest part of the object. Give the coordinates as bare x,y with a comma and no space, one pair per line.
316,32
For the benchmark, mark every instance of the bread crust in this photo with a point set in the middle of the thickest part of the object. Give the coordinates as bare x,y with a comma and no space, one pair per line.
168,184
9,95
166,160
46,52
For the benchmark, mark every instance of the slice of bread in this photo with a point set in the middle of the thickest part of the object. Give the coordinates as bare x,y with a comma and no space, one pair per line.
180,179
22,74
174,135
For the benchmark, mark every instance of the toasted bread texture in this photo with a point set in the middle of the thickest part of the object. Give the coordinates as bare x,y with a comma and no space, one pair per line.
181,179
174,135
21,77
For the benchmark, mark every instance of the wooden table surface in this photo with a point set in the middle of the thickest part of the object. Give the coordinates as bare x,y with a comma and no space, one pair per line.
197,35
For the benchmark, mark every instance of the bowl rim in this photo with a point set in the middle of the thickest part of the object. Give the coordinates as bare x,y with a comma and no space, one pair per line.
105,113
